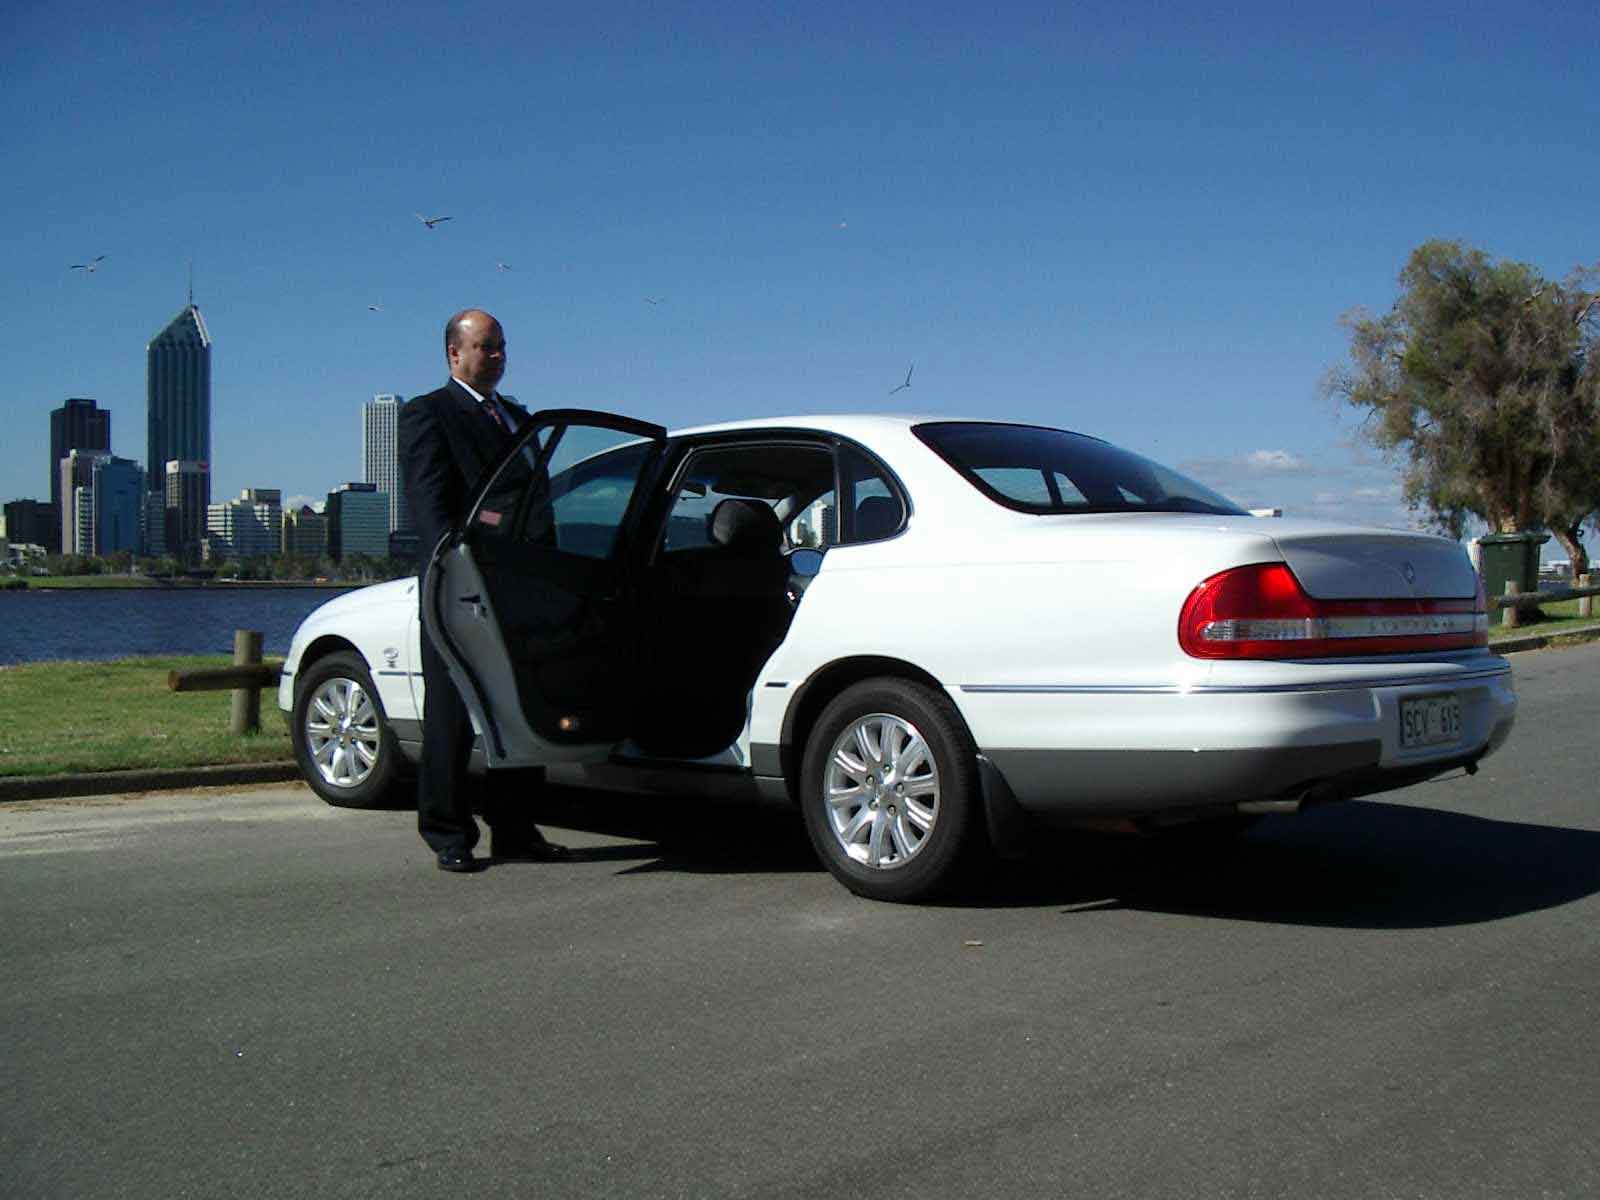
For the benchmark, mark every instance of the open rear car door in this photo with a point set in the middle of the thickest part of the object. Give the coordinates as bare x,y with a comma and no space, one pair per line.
530,602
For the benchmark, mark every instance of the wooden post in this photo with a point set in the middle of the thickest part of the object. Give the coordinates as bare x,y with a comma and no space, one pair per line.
246,700
1585,603
1509,616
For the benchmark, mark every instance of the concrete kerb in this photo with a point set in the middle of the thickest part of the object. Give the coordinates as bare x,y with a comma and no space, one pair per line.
106,783
1544,641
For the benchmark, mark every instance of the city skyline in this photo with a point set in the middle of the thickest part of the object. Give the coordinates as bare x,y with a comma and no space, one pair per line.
1138,222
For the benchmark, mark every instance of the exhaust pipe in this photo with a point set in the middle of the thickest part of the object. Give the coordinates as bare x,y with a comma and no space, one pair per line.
1320,793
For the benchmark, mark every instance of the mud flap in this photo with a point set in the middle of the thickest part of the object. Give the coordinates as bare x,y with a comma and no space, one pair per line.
1009,826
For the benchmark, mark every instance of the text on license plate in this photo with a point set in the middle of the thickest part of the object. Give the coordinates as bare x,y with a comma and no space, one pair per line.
1429,720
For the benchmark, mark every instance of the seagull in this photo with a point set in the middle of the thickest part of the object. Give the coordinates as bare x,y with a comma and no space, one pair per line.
430,222
844,225
654,299
90,265
500,266
374,308
907,383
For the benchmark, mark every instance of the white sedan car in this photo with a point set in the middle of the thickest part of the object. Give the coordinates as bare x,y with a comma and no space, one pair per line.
926,633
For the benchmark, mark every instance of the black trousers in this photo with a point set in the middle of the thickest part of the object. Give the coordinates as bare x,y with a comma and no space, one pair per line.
445,793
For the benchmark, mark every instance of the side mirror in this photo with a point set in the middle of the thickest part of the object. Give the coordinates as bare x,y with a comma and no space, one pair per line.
805,562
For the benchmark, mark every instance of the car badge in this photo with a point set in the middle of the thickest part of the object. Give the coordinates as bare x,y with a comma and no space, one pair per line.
1410,573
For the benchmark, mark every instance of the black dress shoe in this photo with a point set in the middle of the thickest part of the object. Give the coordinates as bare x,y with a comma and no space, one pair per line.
459,861
526,849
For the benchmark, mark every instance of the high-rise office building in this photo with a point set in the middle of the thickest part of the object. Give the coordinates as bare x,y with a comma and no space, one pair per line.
79,424
75,484
249,527
305,532
188,483
117,500
380,456
178,378
358,521
34,523
155,524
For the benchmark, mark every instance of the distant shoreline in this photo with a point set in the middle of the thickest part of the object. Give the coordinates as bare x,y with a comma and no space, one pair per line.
144,583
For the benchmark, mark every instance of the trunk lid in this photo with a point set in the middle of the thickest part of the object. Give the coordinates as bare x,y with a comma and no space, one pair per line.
1376,564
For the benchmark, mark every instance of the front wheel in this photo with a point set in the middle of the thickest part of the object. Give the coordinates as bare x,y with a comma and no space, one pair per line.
342,739
890,792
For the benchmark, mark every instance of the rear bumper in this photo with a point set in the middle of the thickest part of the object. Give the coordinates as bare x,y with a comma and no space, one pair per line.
1135,753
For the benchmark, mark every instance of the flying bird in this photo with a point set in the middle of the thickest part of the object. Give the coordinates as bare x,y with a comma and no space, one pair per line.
654,299
907,383
91,265
430,222
500,266
374,308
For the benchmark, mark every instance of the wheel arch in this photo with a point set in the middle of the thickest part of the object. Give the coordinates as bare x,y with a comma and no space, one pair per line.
816,692
319,649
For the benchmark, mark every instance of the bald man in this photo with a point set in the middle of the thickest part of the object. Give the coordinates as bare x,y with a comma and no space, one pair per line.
447,439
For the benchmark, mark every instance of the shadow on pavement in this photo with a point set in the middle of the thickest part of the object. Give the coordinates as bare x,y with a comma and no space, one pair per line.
701,836
1362,865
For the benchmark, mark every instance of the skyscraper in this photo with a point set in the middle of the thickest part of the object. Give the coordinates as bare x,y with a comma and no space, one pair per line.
118,500
178,377
187,484
79,424
358,520
75,484
380,456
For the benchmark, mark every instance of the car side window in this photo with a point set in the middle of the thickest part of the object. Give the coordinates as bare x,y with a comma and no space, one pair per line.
874,509
578,501
782,475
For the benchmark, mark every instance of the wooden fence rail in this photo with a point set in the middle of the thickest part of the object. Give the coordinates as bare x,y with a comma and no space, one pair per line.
1516,599
244,679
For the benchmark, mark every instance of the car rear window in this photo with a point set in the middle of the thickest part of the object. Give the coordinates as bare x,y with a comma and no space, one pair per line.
1034,469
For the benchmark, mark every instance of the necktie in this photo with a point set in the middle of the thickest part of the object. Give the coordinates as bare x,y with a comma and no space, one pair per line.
493,409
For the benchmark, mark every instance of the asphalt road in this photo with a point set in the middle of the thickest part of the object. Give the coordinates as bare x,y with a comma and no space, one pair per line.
245,993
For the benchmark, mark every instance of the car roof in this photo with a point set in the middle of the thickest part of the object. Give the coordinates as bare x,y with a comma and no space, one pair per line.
856,425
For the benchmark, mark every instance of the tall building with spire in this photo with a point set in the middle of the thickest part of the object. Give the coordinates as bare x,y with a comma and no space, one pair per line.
178,376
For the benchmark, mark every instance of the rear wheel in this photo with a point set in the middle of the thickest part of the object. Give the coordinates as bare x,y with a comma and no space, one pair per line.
342,739
890,792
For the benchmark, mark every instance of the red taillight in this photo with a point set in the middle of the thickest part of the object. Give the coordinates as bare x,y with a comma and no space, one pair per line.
1261,611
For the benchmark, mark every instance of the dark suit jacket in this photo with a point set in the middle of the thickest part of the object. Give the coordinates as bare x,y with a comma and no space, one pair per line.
446,442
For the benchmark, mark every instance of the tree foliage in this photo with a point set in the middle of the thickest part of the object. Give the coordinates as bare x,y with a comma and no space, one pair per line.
1484,379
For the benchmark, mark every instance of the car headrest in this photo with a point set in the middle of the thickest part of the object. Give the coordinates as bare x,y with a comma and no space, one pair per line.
745,524
876,517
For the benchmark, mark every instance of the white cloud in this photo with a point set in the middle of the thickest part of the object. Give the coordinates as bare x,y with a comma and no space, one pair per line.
1273,460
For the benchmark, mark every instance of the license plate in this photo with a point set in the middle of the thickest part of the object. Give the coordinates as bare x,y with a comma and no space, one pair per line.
1430,720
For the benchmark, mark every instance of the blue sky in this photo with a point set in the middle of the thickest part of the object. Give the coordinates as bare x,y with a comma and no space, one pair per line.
1141,222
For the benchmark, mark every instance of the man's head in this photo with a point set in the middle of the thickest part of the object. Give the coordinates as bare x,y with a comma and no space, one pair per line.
475,348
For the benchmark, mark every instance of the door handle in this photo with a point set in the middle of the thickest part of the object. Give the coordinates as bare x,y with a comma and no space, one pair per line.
478,609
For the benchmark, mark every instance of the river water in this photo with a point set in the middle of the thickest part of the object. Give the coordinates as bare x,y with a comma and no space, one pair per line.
41,625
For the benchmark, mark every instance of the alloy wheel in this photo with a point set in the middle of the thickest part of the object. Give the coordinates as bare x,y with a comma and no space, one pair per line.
882,790
342,732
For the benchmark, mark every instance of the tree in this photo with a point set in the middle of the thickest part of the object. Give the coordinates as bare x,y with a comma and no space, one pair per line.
1484,378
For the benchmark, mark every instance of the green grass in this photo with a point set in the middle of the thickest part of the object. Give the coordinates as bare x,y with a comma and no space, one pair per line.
1559,615
88,581
79,717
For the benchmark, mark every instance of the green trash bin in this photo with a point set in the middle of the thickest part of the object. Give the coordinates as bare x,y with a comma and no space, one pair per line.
1513,556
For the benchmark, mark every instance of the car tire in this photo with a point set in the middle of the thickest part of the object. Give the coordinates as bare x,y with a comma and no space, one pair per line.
342,738
890,792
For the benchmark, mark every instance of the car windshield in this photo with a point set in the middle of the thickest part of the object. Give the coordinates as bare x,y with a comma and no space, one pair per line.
1038,470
